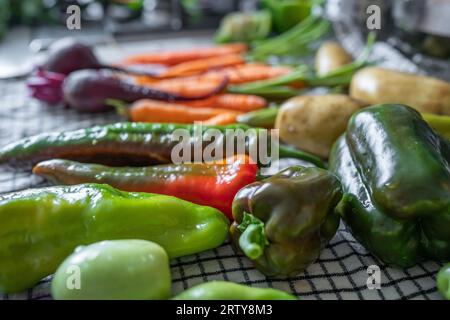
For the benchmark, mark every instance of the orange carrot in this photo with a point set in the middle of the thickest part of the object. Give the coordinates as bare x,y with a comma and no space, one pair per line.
180,81
223,118
186,86
202,65
156,111
237,74
238,102
176,57
253,72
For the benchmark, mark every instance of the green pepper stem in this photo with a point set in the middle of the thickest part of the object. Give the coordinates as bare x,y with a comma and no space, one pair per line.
253,239
249,241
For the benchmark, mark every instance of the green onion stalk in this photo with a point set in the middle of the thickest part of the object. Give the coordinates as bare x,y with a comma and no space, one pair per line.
297,39
337,78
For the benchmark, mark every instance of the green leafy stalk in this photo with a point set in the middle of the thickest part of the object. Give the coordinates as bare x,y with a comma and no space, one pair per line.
263,86
276,92
264,118
297,39
339,77
344,74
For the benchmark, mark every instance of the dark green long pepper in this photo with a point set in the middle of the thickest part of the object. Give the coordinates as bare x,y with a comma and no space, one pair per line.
132,144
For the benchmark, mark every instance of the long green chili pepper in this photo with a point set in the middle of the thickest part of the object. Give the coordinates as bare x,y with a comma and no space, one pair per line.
130,144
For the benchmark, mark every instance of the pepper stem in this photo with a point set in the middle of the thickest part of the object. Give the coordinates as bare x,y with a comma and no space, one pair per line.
253,239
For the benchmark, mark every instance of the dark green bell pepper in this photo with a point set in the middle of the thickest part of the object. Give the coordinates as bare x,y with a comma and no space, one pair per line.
396,177
40,227
284,221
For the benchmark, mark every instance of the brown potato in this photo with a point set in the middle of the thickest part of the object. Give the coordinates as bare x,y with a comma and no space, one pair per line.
376,85
330,57
313,123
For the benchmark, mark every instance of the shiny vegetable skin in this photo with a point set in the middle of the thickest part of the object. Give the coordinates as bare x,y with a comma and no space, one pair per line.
125,143
223,290
209,184
283,222
443,281
114,270
41,227
395,173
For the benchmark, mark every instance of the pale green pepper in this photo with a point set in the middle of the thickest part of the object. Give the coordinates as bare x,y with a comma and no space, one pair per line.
223,290
443,281
40,227
111,270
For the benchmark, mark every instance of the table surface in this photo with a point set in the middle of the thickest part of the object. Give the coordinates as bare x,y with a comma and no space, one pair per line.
339,273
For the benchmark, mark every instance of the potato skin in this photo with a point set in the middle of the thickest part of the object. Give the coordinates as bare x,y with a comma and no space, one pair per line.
377,85
313,123
330,56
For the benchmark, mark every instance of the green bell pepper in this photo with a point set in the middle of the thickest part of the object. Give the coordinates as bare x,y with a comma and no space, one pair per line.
443,281
396,177
41,227
288,13
283,222
223,290
114,270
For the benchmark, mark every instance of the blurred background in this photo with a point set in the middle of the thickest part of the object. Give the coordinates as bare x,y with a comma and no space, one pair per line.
118,17
419,29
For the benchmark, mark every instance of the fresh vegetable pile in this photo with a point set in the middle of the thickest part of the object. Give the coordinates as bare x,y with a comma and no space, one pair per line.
375,149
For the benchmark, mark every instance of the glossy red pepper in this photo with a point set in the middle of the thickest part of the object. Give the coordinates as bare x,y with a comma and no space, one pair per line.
210,184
